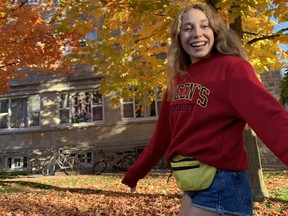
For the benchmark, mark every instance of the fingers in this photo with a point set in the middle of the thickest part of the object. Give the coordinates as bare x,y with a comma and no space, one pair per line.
133,190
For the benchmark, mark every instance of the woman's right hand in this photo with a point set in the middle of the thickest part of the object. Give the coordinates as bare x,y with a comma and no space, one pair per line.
133,190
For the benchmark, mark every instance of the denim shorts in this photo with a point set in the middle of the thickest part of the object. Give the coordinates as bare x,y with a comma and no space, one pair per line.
229,193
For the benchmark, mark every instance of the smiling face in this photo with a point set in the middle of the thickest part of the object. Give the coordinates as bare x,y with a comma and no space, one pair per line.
196,35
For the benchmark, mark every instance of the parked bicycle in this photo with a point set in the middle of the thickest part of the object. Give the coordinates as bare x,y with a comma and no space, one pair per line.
58,161
161,165
118,161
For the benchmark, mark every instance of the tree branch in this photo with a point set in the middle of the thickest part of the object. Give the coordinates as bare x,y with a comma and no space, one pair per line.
151,35
145,38
23,3
28,38
249,33
271,36
212,3
9,64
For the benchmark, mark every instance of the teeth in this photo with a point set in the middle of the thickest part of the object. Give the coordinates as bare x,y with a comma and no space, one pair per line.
198,44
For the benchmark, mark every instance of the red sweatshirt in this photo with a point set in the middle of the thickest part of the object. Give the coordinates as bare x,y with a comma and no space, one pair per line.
206,119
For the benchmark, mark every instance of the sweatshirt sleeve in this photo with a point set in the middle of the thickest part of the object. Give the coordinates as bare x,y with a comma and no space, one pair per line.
262,112
154,151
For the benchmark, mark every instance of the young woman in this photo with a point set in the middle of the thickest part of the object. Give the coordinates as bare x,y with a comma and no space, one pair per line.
212,93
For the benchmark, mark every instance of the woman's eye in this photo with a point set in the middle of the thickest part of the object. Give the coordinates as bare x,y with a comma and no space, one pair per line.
188,29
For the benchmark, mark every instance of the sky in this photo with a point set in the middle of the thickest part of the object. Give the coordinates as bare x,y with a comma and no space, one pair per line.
282,46
281,26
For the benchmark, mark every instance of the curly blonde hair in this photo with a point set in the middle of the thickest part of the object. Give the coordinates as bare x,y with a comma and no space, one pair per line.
226,42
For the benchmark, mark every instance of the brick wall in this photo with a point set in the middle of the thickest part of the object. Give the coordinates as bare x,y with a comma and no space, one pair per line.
271,81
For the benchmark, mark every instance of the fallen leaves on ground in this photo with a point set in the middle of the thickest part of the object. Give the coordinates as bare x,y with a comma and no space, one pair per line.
86,195
276,204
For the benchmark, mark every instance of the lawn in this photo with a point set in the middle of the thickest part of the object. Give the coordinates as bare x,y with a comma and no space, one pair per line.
105,195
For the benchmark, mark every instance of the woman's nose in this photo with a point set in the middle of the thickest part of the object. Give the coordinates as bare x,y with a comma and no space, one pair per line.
197,32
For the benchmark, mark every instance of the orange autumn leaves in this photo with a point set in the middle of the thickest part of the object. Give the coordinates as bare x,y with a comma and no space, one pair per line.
105,195
87,195
130,42
27,41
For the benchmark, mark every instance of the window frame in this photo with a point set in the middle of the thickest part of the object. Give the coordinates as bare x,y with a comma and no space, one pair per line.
70,112
85,158
28,115
90,36
134,102
33,2
10,162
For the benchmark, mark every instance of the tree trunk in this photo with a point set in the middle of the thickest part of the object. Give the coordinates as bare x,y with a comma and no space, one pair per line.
255,172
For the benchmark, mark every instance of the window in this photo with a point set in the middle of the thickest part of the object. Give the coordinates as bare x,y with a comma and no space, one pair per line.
17,163
137,108
20,112
33,2
85,158
86,106
91,36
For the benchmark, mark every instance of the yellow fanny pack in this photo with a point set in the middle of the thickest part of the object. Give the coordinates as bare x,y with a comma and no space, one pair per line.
191,174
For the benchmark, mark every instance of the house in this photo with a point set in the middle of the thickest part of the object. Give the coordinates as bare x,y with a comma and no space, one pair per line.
67,112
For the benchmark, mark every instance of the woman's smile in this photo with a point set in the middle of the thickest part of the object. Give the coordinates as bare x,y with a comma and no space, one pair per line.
197,37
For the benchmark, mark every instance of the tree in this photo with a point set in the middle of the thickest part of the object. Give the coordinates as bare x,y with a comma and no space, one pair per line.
284,88
133,34
28,41
133,37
